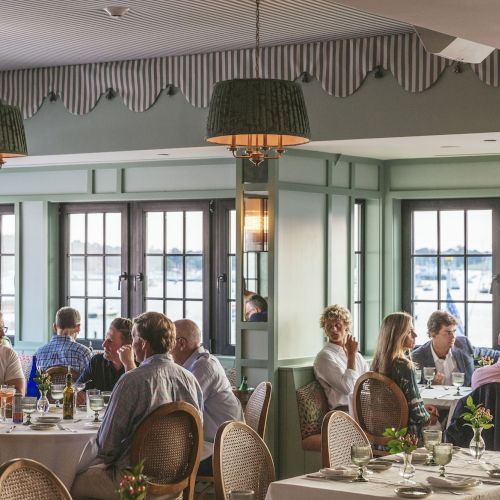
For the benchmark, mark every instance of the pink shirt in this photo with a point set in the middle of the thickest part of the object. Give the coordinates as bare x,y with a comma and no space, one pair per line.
486,374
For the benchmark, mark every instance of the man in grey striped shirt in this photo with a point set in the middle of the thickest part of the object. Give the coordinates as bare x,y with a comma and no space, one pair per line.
158,380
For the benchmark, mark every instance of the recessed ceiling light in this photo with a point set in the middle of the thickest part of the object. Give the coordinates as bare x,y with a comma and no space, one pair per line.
489,140
449,146
116,11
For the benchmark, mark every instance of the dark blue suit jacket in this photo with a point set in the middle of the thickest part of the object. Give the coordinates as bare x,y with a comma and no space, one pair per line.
465,363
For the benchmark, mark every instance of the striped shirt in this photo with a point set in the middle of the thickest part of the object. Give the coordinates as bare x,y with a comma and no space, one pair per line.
63,351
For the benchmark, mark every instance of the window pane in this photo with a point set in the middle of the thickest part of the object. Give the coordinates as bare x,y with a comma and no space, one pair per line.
357,227
452,280
479,272
421,313
174,310
452,231
479,231
79,305
479,324
356,321
154,276
113,233
95,277
7,266
425,232
194,311
232,322
194,232
113,271
77,276
232,277
77,233
8,311
154,306
95,233
154,232
457,310
175,232
194,277
174,276
8,234
425,278
112,310
95,311
356,277
232,231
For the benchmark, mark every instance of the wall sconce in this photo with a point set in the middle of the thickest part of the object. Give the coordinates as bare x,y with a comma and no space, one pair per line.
255,224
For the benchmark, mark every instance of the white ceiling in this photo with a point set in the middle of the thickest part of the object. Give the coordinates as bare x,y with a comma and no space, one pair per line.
37,33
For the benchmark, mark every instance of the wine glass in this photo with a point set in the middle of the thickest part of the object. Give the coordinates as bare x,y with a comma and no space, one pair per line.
106,395
360,456
457,379
96,404
429,372
29,407
432,437
418,375
57,393
443,453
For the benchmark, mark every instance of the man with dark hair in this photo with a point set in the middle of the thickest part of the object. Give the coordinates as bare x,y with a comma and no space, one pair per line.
256,308
105,369
158,380
439,352
63,350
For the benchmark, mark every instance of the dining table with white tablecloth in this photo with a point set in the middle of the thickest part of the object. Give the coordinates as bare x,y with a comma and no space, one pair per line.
382,484
58,449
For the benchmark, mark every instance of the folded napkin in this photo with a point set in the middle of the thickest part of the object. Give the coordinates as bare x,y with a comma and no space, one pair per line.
448,482
338,471
420,454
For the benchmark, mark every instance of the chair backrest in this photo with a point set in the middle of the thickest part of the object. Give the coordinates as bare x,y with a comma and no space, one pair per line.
312,406
241,461
24,479
379,403
58,374
257,408
170,440
338,433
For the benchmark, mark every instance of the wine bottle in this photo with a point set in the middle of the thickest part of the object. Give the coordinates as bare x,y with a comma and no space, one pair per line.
32,388
68,397
244,383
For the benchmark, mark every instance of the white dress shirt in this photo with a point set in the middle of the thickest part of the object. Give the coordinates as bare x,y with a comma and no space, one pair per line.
445,366
330,368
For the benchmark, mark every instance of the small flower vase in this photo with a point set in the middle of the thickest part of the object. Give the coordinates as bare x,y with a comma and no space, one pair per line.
476,446
42,405
407,471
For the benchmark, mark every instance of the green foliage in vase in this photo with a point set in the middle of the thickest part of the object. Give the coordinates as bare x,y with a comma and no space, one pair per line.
476,416
402,442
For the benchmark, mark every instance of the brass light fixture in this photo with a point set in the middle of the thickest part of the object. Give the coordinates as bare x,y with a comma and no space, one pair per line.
257,118
12,137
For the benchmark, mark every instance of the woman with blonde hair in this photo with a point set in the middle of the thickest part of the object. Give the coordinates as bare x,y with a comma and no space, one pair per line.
392,359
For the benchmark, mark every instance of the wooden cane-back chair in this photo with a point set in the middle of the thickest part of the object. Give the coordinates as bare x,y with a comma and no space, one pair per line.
25,479
241,461
58,374
170,440
257,408
379,403
338,433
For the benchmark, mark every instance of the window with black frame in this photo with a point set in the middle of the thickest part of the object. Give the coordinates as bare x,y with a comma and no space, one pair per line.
8,269
449,257
358,271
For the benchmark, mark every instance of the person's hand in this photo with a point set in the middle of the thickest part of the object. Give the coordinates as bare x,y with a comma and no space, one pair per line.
351,346
126,355
434,414
438,378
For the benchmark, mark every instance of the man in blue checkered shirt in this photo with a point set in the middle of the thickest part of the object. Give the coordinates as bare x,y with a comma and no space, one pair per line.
63,350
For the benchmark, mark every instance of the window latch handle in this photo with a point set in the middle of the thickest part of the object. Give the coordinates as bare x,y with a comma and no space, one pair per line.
123,277
221,278
137,277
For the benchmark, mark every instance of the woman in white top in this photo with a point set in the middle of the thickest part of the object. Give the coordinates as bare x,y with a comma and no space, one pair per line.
339,364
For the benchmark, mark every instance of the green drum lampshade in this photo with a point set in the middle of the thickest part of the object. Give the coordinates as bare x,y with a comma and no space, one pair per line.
256,116
12,137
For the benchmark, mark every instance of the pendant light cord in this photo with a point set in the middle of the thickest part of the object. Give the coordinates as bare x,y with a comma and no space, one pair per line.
257,37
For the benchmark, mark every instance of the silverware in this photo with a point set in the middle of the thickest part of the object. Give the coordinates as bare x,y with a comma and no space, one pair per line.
77,420
63,428
10,429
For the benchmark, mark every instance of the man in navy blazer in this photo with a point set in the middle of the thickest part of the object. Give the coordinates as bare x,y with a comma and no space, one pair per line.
440,352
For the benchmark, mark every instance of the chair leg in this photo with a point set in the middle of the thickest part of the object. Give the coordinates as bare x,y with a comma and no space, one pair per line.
201,495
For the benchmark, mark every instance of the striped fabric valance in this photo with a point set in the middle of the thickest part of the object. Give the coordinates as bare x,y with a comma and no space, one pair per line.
340,66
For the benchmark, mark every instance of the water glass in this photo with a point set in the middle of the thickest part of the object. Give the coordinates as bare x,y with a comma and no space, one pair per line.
443,454
432,438
429,372
106,395
96,404
457,379
57,393
418,375
29,407
241,495
360,456
91,392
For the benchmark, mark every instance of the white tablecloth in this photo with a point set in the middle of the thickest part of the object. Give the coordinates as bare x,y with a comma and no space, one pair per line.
443,396
59,450
300,488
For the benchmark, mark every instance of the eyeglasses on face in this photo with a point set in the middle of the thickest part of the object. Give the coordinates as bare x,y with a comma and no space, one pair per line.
5,329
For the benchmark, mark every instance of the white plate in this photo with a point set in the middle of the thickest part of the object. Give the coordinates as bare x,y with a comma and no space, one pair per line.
48,419
92,425
459,486
379,465
413,491
336,474
42,427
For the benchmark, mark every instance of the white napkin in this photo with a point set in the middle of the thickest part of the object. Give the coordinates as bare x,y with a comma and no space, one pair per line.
338,471
447,482
420,454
